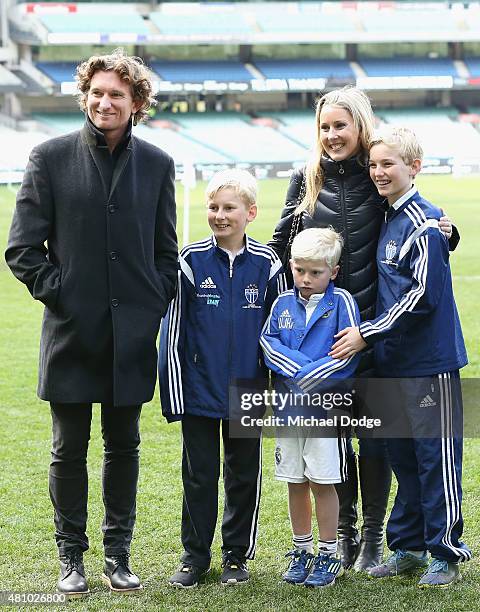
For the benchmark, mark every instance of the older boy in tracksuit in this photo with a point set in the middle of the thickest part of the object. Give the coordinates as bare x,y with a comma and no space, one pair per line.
209,338
418,343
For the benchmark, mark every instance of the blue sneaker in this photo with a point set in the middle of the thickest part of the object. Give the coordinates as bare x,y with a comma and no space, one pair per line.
399,562
440,574
299,568
325,571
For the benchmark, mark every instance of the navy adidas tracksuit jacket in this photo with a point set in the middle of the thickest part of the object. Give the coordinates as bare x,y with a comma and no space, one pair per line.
419,345
210,334
417,320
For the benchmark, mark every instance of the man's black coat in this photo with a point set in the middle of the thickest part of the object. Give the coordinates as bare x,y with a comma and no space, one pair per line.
96,244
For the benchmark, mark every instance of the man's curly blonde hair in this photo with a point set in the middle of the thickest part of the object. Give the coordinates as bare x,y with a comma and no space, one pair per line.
130,69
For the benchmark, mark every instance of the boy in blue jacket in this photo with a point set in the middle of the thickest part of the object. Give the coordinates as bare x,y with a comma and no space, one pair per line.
208,339
296,340
418,340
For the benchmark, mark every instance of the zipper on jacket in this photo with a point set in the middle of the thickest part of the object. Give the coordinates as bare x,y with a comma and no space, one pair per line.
231,330
345,272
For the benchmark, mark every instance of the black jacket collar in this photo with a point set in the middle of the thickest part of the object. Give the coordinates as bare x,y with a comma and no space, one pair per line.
96,137
350,166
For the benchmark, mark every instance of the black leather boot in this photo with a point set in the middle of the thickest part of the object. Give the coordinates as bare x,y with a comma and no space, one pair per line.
118,575
72,580
375,481
348,538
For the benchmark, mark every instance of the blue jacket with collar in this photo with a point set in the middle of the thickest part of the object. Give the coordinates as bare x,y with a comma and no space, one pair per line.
209,337
417,329
299,351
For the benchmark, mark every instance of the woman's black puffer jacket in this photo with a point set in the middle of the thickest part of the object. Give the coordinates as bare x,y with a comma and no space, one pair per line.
350,203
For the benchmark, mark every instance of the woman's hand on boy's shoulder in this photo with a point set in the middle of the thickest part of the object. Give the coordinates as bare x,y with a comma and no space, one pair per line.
349,342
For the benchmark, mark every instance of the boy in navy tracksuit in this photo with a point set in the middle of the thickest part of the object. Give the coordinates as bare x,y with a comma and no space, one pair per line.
296,340
209,338
418,340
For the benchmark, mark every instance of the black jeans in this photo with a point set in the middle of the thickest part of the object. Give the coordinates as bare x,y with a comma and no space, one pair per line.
68,478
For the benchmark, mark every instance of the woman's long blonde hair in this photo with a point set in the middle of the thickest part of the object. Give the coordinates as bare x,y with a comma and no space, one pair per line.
358,105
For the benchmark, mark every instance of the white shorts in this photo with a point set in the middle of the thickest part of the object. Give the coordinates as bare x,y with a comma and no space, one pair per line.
299,458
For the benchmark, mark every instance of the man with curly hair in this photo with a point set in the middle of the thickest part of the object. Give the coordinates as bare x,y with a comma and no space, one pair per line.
93,238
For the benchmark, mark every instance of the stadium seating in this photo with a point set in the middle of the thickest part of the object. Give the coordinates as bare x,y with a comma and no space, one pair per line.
231,71
304,69
60,123
473,65
218,22
84,23
15,156
164,134
438,131
180,146
302,21
408,21
418,115
203,138
273,74
235,136
275,137
408,66
197,72
299,126
59,72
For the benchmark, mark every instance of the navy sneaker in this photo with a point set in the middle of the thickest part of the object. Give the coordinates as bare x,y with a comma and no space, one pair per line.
299,568
440,574
326,569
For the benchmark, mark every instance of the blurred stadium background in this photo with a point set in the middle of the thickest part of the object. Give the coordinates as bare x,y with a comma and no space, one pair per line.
237,81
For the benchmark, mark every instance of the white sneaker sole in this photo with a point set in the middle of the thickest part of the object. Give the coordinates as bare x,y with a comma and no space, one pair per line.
233,582
179,585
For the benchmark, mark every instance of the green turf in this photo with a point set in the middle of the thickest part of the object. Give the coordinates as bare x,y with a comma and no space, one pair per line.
27,550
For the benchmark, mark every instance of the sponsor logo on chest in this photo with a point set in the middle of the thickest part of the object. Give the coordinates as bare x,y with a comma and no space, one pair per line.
211,299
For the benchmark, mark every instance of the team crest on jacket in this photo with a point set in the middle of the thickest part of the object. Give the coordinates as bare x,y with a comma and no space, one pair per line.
285,320
251,295
390,252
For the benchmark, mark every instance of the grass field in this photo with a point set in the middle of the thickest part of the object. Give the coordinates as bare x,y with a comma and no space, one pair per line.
27,550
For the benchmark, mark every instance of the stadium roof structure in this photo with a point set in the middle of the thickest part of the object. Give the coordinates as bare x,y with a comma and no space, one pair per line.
243,22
